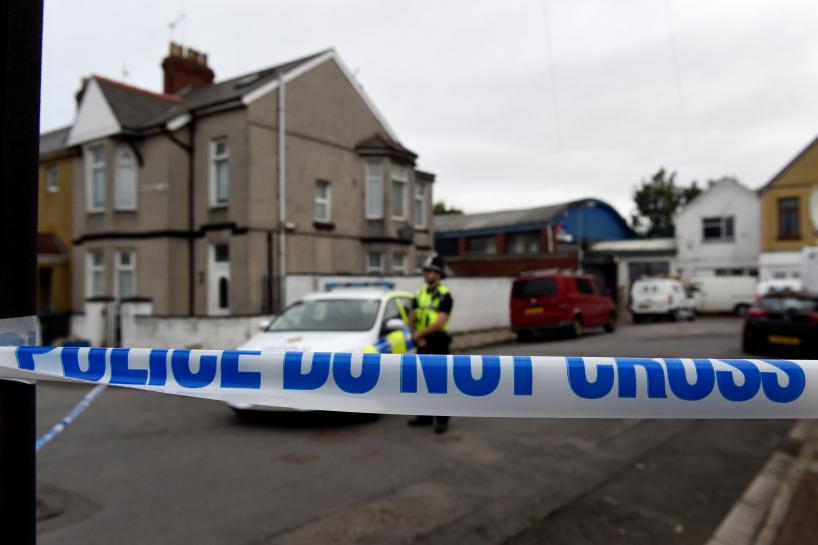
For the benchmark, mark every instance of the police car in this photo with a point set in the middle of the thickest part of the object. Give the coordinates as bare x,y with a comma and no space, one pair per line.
354,317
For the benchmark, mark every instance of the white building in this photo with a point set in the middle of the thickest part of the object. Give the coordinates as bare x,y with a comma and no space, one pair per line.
719,232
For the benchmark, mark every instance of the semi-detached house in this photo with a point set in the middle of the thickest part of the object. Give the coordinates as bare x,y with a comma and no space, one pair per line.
178,192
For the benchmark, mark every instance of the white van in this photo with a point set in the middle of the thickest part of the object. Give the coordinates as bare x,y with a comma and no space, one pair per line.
724,293
660,298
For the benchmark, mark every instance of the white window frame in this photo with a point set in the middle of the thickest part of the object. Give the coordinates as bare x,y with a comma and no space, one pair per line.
92,268
118,268
213,160
402,269
373,179
90,168
326,201
420,204
420,259
121,163
370,269
400,177
52,178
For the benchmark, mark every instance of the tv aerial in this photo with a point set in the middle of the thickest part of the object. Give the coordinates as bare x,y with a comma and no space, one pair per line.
175,23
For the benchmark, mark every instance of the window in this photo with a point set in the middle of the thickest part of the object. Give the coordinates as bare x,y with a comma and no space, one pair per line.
95,284
125,179
125,274
323,201
482,245
717,229
420,205
391,312
52,179
95,177
524,243
420,259
219,172
788,218
536,287
399,263
374,262
221,253
400,180
585,286
374,190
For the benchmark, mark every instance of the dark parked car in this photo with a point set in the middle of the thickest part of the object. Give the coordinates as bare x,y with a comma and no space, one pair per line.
547,300
783,322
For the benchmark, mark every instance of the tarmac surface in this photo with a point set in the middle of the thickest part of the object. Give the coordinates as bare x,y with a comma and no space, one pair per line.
148,468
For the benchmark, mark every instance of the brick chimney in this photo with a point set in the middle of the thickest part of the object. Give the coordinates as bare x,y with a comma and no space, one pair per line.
185,67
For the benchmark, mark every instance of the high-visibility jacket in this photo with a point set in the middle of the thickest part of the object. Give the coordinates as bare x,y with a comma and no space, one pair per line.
395,342
427,306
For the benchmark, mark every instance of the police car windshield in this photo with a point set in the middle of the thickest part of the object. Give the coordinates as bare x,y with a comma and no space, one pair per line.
328,315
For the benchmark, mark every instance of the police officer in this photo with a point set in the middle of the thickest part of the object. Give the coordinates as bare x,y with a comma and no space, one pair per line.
429,318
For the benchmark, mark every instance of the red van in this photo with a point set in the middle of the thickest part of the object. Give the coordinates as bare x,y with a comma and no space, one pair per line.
543,300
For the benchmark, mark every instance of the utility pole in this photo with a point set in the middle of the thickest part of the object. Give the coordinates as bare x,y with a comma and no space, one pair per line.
20,63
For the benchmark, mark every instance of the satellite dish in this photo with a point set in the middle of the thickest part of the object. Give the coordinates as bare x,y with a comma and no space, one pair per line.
813,208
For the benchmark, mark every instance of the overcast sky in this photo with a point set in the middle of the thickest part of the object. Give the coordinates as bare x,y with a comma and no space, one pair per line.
512,104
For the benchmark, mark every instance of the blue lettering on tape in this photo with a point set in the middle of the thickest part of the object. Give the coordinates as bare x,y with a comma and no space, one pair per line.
25,355
184,375
295,379
121,373
793,389
69,357
681,388
732,391
523,376
232,377
342,373
435,372
158,366
579,383
707,379
626,374
488,381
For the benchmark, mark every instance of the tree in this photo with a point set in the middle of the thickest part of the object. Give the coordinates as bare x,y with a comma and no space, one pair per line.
440,209
657,201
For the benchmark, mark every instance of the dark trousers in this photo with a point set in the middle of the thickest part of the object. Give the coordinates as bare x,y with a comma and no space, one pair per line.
436,344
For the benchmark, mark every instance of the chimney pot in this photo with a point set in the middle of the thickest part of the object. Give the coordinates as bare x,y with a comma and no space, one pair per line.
185,67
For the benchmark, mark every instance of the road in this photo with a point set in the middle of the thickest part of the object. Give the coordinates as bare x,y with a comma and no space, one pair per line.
147,468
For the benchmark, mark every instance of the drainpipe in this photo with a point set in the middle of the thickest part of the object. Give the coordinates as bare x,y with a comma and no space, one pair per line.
189,148
282,194
191,262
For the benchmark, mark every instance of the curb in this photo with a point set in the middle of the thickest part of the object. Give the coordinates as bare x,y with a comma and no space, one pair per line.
757,516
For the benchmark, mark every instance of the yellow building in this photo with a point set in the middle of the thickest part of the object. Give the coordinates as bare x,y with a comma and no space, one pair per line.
789,206
54,225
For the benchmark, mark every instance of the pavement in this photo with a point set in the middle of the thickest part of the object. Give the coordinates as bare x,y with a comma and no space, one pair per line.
780,507
148,468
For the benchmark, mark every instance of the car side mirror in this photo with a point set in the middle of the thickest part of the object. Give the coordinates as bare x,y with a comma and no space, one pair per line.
263,324
393,324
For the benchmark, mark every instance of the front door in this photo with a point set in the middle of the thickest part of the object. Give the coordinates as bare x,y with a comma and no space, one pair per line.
218,279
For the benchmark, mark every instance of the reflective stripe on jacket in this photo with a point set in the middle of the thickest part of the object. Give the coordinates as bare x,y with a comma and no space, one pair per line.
395,342
428,306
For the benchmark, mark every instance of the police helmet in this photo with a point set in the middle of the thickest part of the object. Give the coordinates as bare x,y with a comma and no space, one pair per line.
435,263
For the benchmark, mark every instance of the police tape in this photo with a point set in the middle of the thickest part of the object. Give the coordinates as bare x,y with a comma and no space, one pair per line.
72,415
460,385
